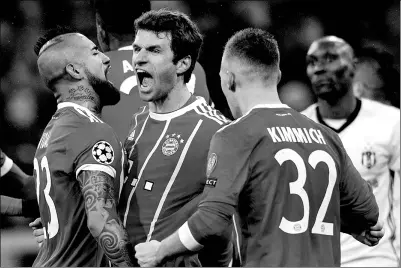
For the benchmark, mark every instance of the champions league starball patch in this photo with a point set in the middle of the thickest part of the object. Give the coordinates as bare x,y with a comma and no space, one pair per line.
103,152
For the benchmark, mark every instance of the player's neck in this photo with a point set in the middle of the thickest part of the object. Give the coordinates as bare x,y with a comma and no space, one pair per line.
177,98
341,109
81,95
258,96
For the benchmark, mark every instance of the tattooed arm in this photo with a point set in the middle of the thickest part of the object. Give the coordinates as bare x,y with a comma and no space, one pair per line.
103,221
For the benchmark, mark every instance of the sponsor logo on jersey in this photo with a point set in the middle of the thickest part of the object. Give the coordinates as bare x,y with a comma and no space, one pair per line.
211,182
211,164
368,158
103,152
171,144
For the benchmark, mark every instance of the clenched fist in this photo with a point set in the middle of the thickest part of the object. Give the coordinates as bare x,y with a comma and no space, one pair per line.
146,253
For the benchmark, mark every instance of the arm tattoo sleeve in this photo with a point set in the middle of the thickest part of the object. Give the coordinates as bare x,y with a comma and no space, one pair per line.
100,204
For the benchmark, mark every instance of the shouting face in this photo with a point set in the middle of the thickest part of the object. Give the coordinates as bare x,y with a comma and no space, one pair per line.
155,70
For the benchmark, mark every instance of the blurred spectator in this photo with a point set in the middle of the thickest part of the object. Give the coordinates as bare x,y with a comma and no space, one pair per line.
297,95
376,77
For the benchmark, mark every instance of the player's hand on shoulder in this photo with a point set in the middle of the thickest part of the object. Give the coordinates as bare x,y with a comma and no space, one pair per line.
38,232
372,236
146,253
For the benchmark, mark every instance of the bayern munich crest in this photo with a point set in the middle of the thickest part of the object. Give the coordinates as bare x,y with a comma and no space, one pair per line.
171,144
103,152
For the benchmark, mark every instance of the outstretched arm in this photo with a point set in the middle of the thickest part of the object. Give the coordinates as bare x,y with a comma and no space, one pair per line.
103,221
19,207
14,182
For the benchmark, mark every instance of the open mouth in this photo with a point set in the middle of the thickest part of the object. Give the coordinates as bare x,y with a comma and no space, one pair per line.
145,78
106,73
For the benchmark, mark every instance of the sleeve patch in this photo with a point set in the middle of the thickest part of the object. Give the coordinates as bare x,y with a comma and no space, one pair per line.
211,164
103,152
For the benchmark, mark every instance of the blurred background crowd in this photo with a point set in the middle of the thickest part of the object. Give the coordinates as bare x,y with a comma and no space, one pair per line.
26,105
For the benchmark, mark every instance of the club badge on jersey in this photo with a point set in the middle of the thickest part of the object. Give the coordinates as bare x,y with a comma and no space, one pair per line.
368,158
103,152
171,144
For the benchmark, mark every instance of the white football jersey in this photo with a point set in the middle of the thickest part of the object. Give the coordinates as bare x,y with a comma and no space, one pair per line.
371,136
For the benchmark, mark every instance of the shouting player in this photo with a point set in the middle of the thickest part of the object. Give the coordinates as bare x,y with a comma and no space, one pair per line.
370,132
79,160
288,176
169,138
114,23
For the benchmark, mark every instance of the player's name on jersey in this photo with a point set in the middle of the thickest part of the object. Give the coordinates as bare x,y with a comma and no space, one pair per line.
291,134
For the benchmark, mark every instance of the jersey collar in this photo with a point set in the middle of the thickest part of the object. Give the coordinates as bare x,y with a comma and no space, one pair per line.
71,104
270,106
350,118
168,116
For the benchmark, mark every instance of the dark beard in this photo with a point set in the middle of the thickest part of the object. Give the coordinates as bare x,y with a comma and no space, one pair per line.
107,92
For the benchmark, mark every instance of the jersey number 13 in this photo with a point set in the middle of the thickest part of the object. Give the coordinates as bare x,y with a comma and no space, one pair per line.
52,226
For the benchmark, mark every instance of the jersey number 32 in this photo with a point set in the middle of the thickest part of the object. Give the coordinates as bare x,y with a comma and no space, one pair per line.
297,187
52,226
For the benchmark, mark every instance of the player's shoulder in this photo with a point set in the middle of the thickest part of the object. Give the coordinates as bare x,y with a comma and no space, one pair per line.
310,111
370,108
81,120
244,126
209,114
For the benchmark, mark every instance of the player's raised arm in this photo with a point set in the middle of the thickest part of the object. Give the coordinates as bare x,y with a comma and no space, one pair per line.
103,221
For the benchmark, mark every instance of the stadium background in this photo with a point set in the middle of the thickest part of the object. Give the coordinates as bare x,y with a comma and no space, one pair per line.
26,105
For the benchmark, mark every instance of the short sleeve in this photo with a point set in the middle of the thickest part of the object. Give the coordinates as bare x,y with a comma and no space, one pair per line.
96,147
227,168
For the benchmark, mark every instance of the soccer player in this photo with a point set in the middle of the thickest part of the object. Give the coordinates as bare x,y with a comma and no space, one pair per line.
114,23
79,160
17,197
288,176
370,132
169,138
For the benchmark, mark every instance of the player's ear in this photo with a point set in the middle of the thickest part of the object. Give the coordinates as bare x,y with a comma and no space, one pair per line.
74,71
278,76
183,64
352,68
231,85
